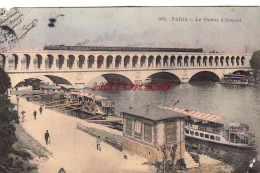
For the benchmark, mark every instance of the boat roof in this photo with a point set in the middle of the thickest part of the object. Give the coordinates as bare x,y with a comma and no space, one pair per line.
86,94
237,75
66,86
196,114
153,113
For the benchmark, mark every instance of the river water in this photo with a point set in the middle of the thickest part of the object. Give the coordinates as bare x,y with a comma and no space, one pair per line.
236,103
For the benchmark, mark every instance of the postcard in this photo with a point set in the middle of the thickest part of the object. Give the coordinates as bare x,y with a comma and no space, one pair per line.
130,89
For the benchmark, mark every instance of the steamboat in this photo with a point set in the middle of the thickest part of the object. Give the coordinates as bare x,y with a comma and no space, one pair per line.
236,79
212,128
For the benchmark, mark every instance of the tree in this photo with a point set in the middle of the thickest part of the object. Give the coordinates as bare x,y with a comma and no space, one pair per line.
8,116
255,64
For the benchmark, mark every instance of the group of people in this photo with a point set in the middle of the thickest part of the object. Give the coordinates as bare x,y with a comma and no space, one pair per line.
34,113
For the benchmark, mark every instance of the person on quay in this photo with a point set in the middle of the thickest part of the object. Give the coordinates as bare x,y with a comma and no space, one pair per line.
40,109
98,143
23,115
34,114
47,137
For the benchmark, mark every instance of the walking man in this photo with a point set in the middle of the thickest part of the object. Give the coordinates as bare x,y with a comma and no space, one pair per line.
98,143
34,114
40,109
47,136
23,115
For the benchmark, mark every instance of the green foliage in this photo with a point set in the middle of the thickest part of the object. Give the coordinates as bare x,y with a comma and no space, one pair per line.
181,163
7,117
255,60
5,82
195,157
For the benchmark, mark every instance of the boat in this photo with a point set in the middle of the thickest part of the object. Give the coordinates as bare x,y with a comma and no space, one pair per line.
215,128
92,104
236,79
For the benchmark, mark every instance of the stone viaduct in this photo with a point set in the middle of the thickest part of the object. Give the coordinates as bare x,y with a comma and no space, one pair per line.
78,65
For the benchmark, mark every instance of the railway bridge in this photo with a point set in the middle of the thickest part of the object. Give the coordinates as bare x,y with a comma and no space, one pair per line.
79,65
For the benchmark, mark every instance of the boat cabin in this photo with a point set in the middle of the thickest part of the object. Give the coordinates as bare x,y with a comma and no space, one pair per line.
147,130
92,103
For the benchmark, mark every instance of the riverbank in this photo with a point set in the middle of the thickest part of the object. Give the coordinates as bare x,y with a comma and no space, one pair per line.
27,153
73,149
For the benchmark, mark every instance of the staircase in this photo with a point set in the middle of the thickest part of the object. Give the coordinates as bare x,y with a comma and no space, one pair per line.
190,163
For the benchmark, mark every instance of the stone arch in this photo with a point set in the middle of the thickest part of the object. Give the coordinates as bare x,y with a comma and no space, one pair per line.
163,77
242,72
60,61
91,61
179,61
49,61
186,61
237,60
13,61
204,76
100,61
81,61
211,61
37,61
158,62
242,60
135,61
2,61
227,60
192,61
25,62
71,62
205,58
116,78
172,61
143,61
109,62
118,61
199,61
222,61
126,61
150,61
58,80
232,61
165,61
216,61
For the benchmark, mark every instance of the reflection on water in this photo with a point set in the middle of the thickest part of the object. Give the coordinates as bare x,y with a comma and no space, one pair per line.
236,103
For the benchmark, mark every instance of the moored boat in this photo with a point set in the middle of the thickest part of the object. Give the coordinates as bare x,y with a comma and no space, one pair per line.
92,104
212,128
236,79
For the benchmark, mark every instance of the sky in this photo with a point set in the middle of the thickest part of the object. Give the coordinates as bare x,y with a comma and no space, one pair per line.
136,27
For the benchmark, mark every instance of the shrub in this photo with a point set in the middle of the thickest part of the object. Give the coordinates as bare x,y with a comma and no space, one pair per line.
181,163
195,157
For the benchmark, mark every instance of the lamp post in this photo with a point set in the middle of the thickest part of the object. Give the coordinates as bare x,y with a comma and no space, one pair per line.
17,99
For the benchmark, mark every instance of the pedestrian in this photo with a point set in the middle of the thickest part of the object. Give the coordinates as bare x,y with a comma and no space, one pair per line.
62,170
34,114
98,143
47,136
40,109
23,115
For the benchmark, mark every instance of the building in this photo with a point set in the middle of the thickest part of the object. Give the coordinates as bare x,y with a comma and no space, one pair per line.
147,130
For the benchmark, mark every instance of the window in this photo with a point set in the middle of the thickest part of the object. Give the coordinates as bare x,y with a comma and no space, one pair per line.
138,129
201,135
217,138
187,131
192,132
148,132
212,137
206,136
197,133
128,126
170,132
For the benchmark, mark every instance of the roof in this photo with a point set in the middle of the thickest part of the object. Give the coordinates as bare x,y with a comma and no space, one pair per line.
66,86
153,113
85,94
195,114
